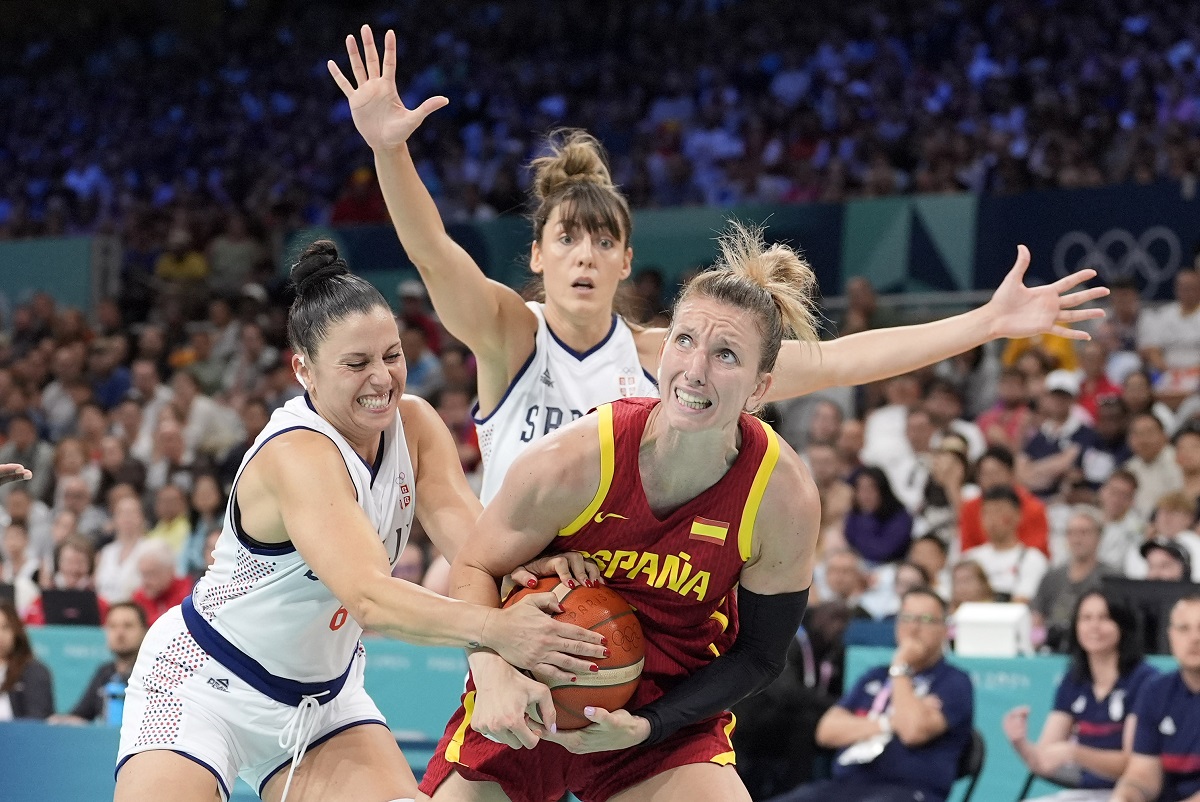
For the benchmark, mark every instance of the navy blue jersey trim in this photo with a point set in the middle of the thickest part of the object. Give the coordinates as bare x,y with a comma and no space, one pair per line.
588,352
282,690
652,379
181,753
263,785
378,460
507,392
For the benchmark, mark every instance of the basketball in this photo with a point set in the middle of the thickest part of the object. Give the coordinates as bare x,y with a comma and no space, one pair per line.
600,609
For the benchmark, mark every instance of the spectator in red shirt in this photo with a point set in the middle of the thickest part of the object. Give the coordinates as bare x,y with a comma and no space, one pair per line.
160,589
994,469
74,564
1095,386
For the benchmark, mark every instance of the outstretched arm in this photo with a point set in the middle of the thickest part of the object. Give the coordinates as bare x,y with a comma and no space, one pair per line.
479,312
1014,311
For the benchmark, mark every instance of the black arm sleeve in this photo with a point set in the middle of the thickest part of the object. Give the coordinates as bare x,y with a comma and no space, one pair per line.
766,627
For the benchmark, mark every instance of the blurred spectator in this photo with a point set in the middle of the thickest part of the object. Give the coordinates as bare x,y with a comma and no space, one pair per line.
58,401
1010,419
24,447
110,379
976,374
70,461
232,255
1169,340
1110,448
878,527
1094,384
849,446
1014,570
181,269
19,566
900,730
908,468
170,461
116,567
73,567
90,519
1124,314
453,405
361,201
862,309
995,469
1123,525
125,626
207,511
415,312
34,515
26,690
1166,561
1062,587
1186,443
884,428
931,554
945,491
171,524
117,466
969,583
159,589
1173,517
835,493
1057,352
253,359
1056,448
1138,395
424,367
944,405
255,416
209,429
199,359
1083,739
1153,462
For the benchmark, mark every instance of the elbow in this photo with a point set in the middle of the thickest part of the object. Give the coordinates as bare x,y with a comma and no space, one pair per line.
911,734
365,604
826,734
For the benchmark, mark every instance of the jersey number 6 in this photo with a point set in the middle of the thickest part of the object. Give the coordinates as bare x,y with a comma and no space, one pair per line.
339,619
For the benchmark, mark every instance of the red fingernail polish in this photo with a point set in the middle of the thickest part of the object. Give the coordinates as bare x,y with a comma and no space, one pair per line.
595,667
604,641
571,583
573,679
532,583
607,653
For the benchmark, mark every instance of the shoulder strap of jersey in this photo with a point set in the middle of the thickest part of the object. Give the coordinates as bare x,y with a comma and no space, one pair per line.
604,422
757,488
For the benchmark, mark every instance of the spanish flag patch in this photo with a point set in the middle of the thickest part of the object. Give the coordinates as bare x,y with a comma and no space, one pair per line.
709,530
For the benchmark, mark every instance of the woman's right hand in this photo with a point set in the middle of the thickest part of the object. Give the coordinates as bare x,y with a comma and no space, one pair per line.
527,637
12,472
379,114
1016,724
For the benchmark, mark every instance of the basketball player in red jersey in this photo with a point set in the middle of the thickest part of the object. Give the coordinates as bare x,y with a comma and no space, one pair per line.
698,514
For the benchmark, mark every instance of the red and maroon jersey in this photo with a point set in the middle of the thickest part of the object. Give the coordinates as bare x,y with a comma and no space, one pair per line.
678,571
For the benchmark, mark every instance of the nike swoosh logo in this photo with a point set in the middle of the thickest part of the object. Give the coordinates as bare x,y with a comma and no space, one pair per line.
600,516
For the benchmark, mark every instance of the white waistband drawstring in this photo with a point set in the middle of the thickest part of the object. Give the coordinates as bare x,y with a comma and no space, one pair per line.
299,732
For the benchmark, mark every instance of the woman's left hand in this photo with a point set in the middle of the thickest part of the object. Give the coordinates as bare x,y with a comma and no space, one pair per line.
571,568
1020,311
618,729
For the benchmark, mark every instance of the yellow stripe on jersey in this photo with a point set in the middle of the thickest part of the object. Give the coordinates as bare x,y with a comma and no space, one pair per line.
727,758
757,489
604,417
454,749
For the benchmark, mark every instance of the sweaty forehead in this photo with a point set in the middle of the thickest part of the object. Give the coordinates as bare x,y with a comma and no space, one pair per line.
716,318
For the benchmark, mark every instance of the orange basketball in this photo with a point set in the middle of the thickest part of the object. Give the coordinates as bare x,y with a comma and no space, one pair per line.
600,609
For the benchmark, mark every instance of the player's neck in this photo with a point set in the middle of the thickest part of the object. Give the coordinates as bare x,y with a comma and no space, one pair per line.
580,334
1191,678
664,452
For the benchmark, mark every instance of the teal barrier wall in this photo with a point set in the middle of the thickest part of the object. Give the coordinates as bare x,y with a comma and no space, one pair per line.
61,267
1000,685
417,688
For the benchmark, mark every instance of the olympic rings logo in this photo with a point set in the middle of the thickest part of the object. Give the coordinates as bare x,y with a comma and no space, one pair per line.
1155,256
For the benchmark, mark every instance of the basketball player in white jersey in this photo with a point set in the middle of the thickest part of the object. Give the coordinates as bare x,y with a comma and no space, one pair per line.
543,364
259,673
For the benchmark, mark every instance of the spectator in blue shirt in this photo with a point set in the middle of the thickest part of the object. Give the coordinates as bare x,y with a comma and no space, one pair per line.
1165,765
901,729
1087,737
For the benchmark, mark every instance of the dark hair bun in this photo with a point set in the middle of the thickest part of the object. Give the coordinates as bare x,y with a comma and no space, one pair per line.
320,261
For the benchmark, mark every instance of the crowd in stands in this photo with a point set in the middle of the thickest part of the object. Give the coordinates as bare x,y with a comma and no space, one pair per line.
119,120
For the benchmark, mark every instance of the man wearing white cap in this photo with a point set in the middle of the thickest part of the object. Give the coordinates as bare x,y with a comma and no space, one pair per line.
1064,435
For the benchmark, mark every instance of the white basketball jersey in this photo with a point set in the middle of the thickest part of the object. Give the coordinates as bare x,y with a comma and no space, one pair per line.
265,601
556,386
